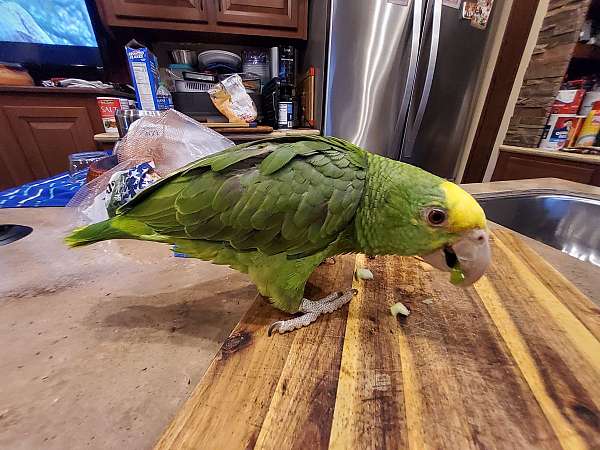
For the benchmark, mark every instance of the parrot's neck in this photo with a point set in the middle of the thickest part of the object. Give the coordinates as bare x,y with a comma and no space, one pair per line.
374,232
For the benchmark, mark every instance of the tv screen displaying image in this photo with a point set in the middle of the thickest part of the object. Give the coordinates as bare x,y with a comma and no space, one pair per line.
55,32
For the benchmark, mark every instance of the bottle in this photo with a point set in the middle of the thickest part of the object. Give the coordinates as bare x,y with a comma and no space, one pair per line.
287,64
285,108
164,99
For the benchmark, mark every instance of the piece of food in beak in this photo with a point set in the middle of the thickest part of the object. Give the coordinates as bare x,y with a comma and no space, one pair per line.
457,276
467,258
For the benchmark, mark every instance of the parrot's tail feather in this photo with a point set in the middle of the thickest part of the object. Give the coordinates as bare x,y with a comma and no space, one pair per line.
115,228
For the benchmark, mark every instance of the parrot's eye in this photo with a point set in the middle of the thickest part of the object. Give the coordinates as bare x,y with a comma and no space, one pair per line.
436,216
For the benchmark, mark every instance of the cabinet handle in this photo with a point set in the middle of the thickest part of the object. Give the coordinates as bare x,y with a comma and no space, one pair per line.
219,4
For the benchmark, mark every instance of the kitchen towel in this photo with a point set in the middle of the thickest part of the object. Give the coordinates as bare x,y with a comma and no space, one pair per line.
53,191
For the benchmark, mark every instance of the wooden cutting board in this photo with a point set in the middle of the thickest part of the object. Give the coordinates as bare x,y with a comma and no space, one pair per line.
513,362
225,124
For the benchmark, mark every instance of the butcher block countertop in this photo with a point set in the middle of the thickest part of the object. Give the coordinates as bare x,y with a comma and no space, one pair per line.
512,362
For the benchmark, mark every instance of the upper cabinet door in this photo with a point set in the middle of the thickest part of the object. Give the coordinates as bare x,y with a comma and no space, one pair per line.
166,10
265,13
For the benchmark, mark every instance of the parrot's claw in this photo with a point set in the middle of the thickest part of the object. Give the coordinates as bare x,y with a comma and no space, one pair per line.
312,310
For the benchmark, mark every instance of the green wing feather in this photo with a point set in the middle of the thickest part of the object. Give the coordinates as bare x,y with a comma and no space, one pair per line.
276,196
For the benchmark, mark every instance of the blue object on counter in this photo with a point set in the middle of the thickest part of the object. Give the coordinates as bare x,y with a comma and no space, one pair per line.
53,191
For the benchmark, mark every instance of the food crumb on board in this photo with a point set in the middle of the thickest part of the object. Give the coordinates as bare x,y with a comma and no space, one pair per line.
399,308
363,274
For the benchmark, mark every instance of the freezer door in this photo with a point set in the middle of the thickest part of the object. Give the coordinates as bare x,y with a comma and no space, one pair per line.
454,91
369,62
420,97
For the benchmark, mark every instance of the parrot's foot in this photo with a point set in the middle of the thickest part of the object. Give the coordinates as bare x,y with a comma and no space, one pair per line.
312,310
329,262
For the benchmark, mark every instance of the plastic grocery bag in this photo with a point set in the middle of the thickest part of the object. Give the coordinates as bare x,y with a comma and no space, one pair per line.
231,99
153,147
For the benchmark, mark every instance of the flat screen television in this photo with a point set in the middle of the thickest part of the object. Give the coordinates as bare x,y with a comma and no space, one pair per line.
47,32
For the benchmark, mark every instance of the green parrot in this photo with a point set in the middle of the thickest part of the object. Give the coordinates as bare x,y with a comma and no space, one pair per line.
277,208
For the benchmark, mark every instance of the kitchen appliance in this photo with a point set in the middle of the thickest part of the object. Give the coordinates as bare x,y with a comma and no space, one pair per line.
401,77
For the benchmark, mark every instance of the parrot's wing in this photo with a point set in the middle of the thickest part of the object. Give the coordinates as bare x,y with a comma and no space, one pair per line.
291,196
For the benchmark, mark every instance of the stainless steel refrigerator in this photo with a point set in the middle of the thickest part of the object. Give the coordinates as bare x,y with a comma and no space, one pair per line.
399,79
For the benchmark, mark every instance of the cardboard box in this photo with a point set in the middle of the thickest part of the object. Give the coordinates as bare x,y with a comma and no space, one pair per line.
568,101
560,130
108,106
143,67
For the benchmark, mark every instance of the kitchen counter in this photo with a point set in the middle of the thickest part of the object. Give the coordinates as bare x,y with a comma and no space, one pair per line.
102,345
567,156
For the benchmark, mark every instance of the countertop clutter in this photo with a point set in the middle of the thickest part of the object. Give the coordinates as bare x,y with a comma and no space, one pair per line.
516,353
247,91
244,95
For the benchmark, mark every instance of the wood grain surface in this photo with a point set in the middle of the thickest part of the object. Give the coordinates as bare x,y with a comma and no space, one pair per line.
513,362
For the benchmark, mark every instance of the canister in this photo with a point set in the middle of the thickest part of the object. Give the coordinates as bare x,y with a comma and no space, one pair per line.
590,128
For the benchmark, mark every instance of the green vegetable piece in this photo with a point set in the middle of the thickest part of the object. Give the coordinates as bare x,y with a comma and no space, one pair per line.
457,276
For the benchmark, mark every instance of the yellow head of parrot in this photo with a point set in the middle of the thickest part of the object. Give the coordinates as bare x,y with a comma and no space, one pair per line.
464,213
468,255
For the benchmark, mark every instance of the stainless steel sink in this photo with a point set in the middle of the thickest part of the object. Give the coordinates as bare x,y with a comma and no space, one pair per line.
570,223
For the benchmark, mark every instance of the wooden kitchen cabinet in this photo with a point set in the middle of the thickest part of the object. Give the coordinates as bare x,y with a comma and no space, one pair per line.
40,127
164,10
516,165
275,18
47,135
279,13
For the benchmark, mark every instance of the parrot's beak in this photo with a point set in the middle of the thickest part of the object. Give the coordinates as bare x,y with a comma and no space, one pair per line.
467,258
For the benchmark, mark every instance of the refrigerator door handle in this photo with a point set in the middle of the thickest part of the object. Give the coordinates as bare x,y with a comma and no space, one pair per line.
415,44
433,53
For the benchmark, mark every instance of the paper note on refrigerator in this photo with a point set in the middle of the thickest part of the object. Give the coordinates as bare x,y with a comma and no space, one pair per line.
478,12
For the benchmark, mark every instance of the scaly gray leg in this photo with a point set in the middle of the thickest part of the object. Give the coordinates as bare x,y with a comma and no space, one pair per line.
312,310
